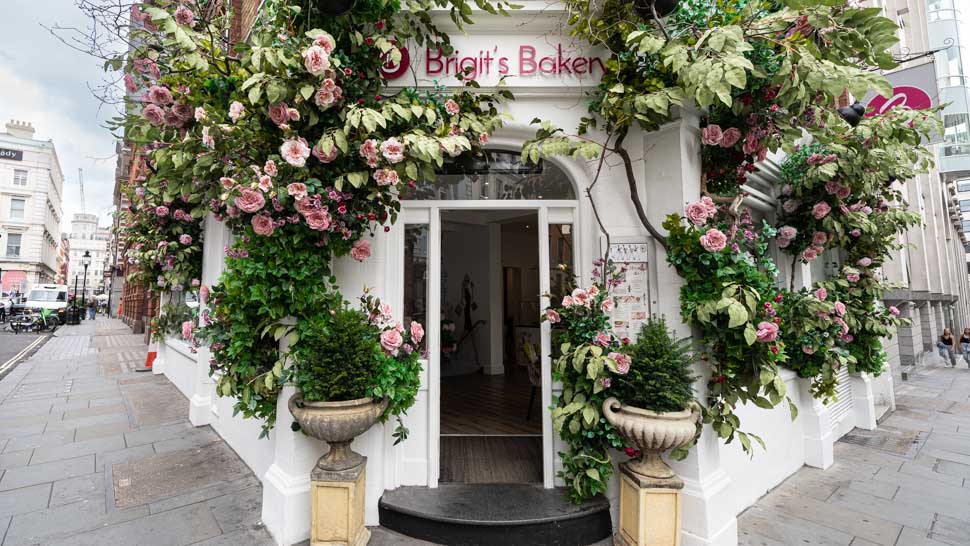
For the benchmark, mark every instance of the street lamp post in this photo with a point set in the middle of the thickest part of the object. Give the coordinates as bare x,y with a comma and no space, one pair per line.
85,261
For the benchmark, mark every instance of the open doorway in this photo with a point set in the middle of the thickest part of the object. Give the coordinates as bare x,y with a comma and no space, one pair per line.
491,420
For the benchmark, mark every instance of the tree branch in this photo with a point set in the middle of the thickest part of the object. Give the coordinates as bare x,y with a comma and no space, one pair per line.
634,193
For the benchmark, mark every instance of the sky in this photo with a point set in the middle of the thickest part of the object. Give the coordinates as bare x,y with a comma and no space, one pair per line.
46,83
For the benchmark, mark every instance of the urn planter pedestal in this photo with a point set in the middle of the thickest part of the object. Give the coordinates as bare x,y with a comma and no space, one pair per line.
337,482
650,506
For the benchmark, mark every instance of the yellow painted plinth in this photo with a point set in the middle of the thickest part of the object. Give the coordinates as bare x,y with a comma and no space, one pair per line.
649,511
337,507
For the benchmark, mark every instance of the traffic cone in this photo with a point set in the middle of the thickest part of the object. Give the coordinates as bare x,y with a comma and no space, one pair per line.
149,361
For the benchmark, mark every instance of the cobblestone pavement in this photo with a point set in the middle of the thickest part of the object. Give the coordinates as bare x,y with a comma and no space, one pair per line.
907,484
94,454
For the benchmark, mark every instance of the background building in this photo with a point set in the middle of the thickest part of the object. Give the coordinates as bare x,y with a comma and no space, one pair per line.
86,236
63,259
31,184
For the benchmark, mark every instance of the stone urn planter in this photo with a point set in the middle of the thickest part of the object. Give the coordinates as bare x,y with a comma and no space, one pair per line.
337,423
653,433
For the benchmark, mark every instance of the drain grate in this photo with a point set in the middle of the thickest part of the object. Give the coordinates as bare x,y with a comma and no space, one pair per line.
893,440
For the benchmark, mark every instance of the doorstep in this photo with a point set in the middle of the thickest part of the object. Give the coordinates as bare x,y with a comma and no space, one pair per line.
493,514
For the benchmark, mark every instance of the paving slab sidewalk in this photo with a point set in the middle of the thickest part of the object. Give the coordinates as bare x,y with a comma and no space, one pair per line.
886,493
93,453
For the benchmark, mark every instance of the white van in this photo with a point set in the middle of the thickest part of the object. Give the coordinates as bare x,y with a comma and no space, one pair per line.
48,296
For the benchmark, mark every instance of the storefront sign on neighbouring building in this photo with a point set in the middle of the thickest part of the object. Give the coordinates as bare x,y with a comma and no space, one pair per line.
525,61
16,155
913,88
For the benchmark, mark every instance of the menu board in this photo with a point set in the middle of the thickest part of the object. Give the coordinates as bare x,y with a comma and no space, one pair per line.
633,293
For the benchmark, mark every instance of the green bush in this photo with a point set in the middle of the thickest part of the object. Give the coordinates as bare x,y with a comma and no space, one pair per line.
338,356
660,377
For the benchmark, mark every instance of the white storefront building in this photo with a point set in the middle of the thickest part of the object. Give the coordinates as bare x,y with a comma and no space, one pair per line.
31,186
477,249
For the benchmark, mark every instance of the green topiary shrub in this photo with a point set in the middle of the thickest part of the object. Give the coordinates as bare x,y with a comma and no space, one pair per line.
338,356
660,377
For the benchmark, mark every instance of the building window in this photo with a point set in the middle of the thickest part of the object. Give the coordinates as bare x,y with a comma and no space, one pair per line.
19,177
956,134
17,208
13,245
966,226
965,205
963,185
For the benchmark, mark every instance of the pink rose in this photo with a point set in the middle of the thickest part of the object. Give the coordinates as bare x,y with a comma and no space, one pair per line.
185,239
250,200
567,301
391,340
751,144
270,168
360,251
607,305
602,339
236,110
203,294
819,238
790,206
319,220
265,183
767,332
200,114
187,327
417,331
730,137
807,349
697,213
864,262
711,135
207,140
580,296
227,183
297,190
326,42
263,224
809,254
324,157
552,316
713,240
295,151
159,95
393,150
130,84
184,16
852,277
278,113
328,94
386,177
843,192
154,114
821,210
162,211
855,233
316,60
840,308
452,107
893,310
622,362
483,138
822,294
787,232
593,291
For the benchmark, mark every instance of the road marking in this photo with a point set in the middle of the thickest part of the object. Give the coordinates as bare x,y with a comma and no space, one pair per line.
21,354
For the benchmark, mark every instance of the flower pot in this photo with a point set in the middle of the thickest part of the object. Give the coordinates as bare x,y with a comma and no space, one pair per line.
653,433
334,8
337,423
663,7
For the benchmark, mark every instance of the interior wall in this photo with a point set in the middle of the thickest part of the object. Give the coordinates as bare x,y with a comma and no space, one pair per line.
520,249
464,251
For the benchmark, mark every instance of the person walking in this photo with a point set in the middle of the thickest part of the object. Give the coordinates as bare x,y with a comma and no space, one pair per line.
965,345
946,345
92,309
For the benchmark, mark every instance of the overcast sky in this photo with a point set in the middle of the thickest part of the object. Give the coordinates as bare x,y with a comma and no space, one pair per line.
46,83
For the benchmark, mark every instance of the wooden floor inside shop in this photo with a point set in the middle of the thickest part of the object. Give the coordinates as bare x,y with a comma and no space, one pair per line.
480,404
488,434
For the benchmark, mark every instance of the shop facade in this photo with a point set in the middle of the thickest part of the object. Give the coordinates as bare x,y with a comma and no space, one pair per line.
479,251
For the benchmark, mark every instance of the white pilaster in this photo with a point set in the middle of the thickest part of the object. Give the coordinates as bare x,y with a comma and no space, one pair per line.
863,401
496,349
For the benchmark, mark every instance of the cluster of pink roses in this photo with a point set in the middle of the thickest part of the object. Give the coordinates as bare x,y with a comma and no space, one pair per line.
840,310
585,298
161,108
700,212
714,240
713,135
394,338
